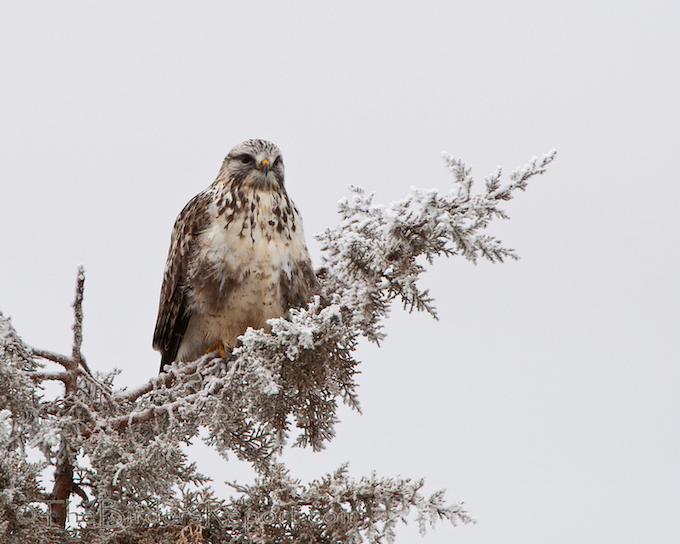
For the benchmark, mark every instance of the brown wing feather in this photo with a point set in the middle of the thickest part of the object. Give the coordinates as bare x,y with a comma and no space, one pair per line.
173,316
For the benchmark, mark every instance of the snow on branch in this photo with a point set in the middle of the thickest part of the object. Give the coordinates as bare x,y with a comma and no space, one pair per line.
335,508
372,255
19,398
273,385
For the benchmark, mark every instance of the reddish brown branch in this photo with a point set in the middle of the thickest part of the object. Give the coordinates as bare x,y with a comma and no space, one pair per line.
63,484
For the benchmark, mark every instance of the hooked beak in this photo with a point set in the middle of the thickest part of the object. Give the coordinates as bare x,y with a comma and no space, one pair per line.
264,165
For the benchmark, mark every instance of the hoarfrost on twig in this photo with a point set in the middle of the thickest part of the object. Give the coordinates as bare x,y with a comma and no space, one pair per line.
126,444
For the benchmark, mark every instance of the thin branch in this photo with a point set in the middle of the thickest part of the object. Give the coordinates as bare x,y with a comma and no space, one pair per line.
42,376
78,321
83,364
98,385
76,359
64,360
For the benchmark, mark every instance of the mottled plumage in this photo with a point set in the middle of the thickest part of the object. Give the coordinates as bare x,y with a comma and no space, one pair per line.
237,258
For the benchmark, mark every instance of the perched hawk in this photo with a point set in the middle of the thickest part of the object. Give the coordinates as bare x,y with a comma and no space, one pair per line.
237,258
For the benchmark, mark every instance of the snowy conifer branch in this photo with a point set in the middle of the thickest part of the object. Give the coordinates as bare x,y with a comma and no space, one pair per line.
371,258
288,381
20,408
165,379
336,508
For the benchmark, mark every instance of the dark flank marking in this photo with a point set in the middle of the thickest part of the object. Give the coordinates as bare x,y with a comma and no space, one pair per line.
299,287
211,286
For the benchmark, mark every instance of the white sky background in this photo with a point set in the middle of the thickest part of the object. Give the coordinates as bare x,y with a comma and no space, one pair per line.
547,397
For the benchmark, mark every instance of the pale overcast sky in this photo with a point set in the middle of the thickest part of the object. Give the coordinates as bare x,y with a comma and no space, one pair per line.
547,397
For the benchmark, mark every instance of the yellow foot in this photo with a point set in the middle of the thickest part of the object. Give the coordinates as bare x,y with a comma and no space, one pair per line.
217,346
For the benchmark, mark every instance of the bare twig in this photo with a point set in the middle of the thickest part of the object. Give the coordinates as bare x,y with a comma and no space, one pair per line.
76,359
98,385
78,322
64,360
42,376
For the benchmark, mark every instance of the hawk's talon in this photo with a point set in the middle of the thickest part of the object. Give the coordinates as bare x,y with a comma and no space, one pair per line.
217,346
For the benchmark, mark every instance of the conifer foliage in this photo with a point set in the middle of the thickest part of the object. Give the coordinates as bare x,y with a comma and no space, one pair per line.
116,454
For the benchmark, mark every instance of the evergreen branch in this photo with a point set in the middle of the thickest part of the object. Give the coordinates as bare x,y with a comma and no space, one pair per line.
249,401
166,379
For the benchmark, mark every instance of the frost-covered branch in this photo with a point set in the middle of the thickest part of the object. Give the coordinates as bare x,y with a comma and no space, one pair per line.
64,360
336,508
124,445
372,255
78,312
43,375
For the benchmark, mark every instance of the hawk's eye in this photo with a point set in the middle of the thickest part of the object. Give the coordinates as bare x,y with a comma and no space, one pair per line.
277,161
245,159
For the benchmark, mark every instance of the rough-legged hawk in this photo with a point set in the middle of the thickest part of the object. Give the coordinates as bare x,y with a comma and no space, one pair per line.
237,258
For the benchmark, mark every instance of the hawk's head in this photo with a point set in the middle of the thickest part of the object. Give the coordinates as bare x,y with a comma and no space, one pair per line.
254,163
